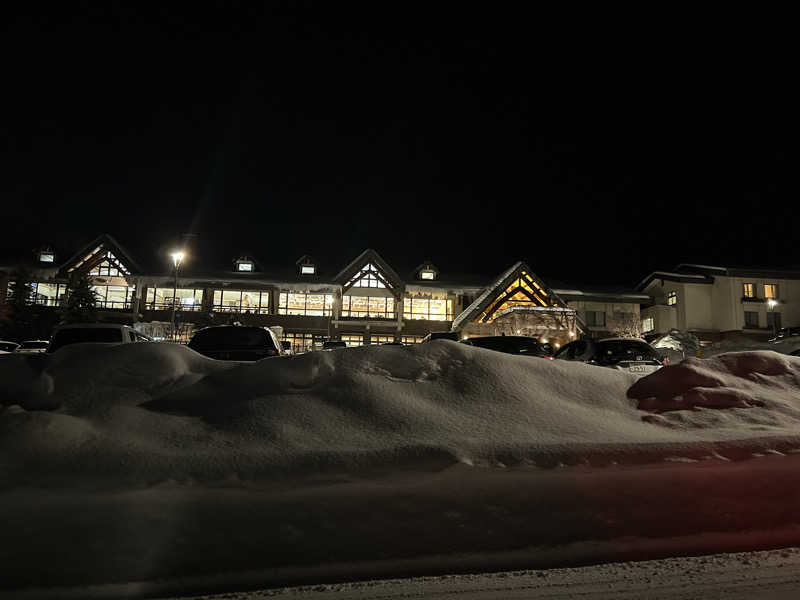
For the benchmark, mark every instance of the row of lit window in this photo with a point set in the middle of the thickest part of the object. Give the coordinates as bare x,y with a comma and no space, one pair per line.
770,290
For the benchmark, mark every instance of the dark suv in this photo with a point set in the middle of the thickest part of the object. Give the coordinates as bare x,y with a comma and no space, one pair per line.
512,344
235,342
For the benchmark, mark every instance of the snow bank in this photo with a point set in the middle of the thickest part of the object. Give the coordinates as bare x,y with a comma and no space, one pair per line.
143,413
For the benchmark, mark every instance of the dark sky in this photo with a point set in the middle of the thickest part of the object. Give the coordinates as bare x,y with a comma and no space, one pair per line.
471,138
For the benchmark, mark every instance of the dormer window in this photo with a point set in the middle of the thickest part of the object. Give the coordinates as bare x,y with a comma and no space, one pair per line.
427,271
307,265
244,264
46,255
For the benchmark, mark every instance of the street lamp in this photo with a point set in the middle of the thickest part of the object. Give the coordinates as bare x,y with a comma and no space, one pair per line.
177,257
772,303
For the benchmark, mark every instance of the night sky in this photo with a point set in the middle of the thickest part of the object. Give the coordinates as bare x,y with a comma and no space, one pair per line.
473,139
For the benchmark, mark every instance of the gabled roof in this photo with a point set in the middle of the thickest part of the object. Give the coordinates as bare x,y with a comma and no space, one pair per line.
369,256
94,252
306,259
427,266
498,287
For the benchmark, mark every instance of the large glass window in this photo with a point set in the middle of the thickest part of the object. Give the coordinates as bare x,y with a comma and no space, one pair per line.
187,298
428,309
749,290
595,318
380,339
368,307
302,342
48,294
770,291
301,303
353,340
368,277
412,339
648,324
113,296
110,267
245,301
751,319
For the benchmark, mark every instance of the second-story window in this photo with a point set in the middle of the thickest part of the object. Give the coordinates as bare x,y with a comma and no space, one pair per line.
308,269
672,298
770,291
648,324
749,290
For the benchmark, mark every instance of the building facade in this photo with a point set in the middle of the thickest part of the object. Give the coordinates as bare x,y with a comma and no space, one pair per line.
716,303
366,302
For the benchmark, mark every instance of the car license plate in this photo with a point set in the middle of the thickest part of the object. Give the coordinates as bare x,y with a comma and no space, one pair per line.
638,369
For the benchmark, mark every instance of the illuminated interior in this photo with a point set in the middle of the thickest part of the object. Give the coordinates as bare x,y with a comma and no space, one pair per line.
523,291
114,296
368,277
427,275
110,267
187,299
301,342
299,303
368,307
246,301
47,294
380,339
353,340
427,309
307,270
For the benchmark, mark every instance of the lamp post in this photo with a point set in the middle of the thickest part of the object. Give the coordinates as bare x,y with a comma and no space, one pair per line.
177,257
772,303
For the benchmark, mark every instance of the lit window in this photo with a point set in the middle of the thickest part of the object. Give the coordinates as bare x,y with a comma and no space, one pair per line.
648,324
241,301
380,339
427,275
302,342
185,298
353,340
113,296
368,307
300,303
47,257
770,291
523,291
307,270
110,267
244,266
428,309
749,290
368,277
672,298
412,339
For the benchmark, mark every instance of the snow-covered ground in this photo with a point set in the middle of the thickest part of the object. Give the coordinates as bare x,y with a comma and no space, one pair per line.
145,468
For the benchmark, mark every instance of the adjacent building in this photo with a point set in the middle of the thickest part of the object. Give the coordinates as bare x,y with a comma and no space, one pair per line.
365,302
716,303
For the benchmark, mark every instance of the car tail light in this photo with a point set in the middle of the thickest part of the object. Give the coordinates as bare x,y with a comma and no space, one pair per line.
549,358
666,360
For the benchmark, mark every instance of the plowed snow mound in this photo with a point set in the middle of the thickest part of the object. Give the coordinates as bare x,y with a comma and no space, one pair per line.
141,413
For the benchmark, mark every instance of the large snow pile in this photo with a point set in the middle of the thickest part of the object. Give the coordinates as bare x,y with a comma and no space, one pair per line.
145,462
154,412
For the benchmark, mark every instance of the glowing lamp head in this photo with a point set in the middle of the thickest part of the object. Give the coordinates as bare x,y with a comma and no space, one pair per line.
519,331
177,257
772,303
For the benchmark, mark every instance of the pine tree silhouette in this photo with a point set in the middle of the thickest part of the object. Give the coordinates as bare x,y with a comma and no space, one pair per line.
81,304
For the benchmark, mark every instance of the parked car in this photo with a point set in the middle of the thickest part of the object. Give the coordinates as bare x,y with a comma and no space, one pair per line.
624,354
795,353
333,344
8,347
786,332
32,347
236,342
512,344
441,335
94,333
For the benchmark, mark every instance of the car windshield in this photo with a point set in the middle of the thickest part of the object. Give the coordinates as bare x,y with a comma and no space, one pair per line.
614,351
77,335
230,337
8,346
